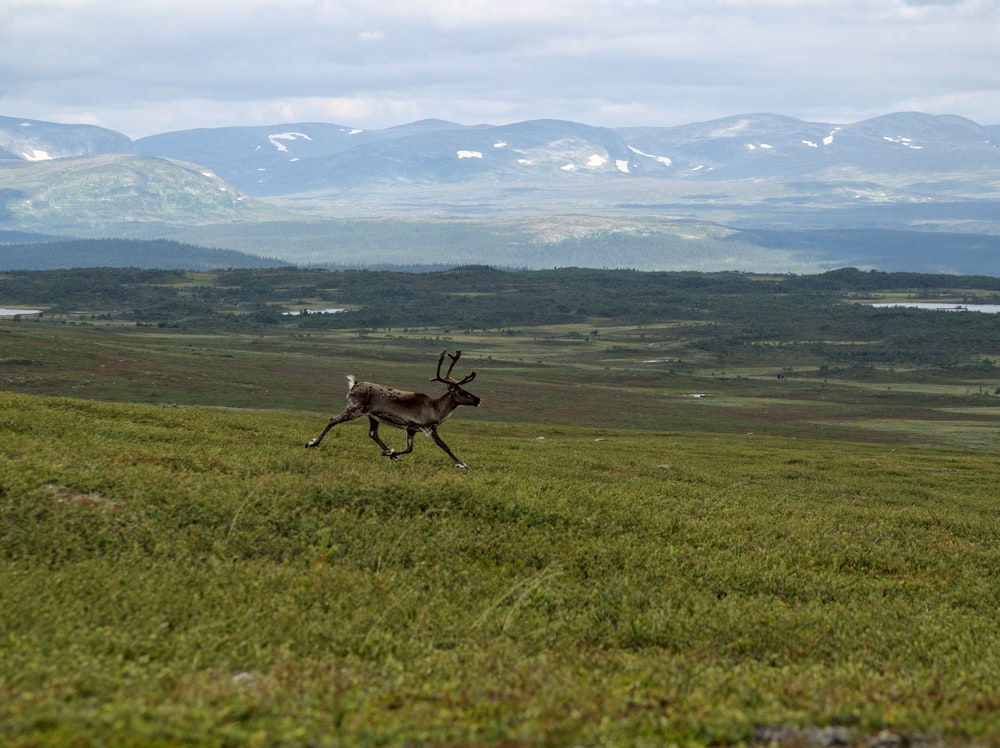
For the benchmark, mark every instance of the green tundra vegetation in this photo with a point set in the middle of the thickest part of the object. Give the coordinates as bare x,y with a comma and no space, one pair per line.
702,509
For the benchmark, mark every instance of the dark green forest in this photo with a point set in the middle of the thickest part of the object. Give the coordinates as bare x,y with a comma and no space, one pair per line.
424,245
156,253
735,317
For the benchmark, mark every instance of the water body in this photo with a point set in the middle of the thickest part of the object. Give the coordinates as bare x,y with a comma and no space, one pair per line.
14,312
987,308
314,311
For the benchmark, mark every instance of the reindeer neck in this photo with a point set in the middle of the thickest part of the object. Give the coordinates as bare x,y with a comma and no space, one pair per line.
445,403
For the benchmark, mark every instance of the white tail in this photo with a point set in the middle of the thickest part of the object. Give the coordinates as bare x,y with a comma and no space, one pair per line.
410,411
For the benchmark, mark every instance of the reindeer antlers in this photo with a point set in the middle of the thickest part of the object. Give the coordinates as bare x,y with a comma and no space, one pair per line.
447,377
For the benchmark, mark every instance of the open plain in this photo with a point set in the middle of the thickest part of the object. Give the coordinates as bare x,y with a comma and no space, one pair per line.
743,514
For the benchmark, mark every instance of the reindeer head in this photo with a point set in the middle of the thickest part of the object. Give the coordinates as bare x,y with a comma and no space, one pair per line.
461,396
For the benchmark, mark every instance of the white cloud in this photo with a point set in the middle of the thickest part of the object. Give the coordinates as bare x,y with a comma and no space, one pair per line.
156,65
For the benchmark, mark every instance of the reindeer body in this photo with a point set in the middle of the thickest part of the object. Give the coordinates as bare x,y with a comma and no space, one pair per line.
397,408
410,411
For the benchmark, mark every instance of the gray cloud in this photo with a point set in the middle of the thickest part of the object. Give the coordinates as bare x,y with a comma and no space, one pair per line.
163,65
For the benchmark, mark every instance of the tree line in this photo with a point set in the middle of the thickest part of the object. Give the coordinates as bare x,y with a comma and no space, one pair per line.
808,314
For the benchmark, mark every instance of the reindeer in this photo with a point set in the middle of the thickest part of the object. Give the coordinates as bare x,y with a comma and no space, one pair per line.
411,411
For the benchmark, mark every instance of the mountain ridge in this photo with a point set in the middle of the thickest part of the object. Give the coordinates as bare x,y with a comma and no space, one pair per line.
744,146
279,190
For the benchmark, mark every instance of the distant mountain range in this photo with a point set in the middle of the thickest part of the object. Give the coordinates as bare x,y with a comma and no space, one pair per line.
910,149
762,172
307,158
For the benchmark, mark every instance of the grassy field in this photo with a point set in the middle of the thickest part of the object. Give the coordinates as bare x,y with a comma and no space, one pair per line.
615,376
194,575
653,546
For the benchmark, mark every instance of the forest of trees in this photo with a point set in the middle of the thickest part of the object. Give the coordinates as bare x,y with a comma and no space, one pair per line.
57,253
730,313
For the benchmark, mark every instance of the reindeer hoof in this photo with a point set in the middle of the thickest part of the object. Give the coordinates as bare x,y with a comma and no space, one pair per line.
391,455
461,466
311,443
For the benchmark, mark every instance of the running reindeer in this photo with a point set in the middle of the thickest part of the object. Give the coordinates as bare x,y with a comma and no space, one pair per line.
411,411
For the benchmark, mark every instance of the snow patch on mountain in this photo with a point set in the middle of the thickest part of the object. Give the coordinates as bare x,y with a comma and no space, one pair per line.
666,161
908,142
276,139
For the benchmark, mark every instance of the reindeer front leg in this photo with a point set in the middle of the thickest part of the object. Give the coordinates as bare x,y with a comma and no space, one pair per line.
432,432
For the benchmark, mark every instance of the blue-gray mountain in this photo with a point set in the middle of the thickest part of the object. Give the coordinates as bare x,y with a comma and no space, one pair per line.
291,159
33,140
917,148
761,172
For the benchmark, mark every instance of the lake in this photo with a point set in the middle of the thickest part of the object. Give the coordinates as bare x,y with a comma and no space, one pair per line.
987,308
14,312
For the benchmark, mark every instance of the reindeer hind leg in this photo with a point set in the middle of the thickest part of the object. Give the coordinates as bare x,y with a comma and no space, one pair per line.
349,414
373,435
392,454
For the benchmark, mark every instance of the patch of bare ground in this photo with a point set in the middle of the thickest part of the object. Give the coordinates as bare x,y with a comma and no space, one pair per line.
828,737
65,495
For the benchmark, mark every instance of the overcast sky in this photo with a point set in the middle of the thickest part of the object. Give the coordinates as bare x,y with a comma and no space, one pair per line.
147,66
